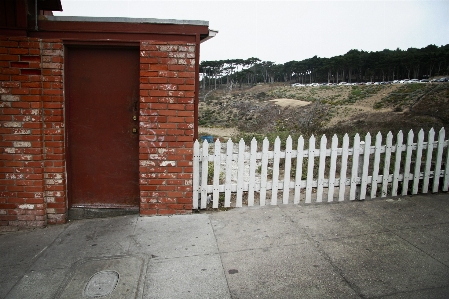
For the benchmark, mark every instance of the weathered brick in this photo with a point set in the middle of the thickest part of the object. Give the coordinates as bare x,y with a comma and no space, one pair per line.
9,43
10,71
158,93
19,64
22,89
35,58
158,67
8,57
30,72
10,98
166,103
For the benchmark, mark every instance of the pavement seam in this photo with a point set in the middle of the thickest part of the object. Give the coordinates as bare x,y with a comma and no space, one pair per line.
142,283
133,234
36,257
219,255
158,258
260,248
407,292
415,246
326,257
396,229
350,236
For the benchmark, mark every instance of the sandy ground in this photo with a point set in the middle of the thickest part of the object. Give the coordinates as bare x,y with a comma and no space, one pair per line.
342,113
290,102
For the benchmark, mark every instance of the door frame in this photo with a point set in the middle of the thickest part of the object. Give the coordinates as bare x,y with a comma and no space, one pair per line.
86,45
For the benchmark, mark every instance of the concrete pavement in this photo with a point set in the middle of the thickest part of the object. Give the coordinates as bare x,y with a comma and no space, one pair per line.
382,248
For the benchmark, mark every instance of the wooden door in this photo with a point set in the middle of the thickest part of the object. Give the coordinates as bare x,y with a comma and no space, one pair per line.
102,92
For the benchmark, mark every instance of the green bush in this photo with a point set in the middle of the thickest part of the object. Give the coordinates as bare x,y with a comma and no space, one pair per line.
210,174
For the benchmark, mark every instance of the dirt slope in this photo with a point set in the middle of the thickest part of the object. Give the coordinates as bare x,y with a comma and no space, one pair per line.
268,108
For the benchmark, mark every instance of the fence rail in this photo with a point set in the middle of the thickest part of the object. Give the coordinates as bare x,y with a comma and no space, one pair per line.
367,169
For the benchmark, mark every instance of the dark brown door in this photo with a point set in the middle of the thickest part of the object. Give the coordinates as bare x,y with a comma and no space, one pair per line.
102,103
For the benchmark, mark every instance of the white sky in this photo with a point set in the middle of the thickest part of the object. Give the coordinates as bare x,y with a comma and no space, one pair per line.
282,31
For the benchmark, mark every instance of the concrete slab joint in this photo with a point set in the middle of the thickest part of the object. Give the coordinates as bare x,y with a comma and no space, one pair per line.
366,249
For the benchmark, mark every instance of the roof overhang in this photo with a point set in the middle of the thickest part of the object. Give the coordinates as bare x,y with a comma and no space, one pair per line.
210,35
52,5
124,20
124,29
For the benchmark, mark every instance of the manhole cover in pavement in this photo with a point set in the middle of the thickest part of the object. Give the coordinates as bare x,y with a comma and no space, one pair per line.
101,284
100,278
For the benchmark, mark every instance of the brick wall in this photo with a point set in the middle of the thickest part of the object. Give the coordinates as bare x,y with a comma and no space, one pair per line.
53,131
32,149
167,92
31,100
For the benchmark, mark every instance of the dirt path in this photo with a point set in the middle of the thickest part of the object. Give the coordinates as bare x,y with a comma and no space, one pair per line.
369,102
347,112
242,106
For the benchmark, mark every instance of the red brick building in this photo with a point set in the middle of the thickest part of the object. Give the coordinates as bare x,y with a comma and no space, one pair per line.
96,113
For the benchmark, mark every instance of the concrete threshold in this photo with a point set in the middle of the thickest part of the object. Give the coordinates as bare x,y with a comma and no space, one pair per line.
89,213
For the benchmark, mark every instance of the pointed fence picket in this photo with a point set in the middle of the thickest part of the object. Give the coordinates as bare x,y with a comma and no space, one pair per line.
237,175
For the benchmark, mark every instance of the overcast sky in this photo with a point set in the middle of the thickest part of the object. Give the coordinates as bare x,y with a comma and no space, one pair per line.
281,31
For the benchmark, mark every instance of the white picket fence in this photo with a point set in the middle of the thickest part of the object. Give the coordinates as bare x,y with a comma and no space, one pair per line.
387,169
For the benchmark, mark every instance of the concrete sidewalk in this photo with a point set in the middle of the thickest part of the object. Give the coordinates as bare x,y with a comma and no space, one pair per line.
372,249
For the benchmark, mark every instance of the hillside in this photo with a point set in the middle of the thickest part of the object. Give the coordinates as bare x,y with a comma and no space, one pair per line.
279,109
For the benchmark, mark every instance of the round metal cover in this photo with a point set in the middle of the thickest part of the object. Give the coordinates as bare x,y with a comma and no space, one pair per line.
101,284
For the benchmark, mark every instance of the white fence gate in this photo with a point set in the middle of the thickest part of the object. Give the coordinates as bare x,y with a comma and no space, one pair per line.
375,169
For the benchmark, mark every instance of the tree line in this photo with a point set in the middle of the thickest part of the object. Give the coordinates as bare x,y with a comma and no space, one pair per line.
354,66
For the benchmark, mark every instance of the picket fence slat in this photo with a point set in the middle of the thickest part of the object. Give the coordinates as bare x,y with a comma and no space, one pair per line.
355,167
205,156
344,166
428,161
387,160
310,164
240,176
288,165
397,164
356,172
366,157
263,182
321,165
276,159
216,183
333,164
408,159
196,174
229,148
299,159
418,162
375,181
439,159
252,172
446,171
